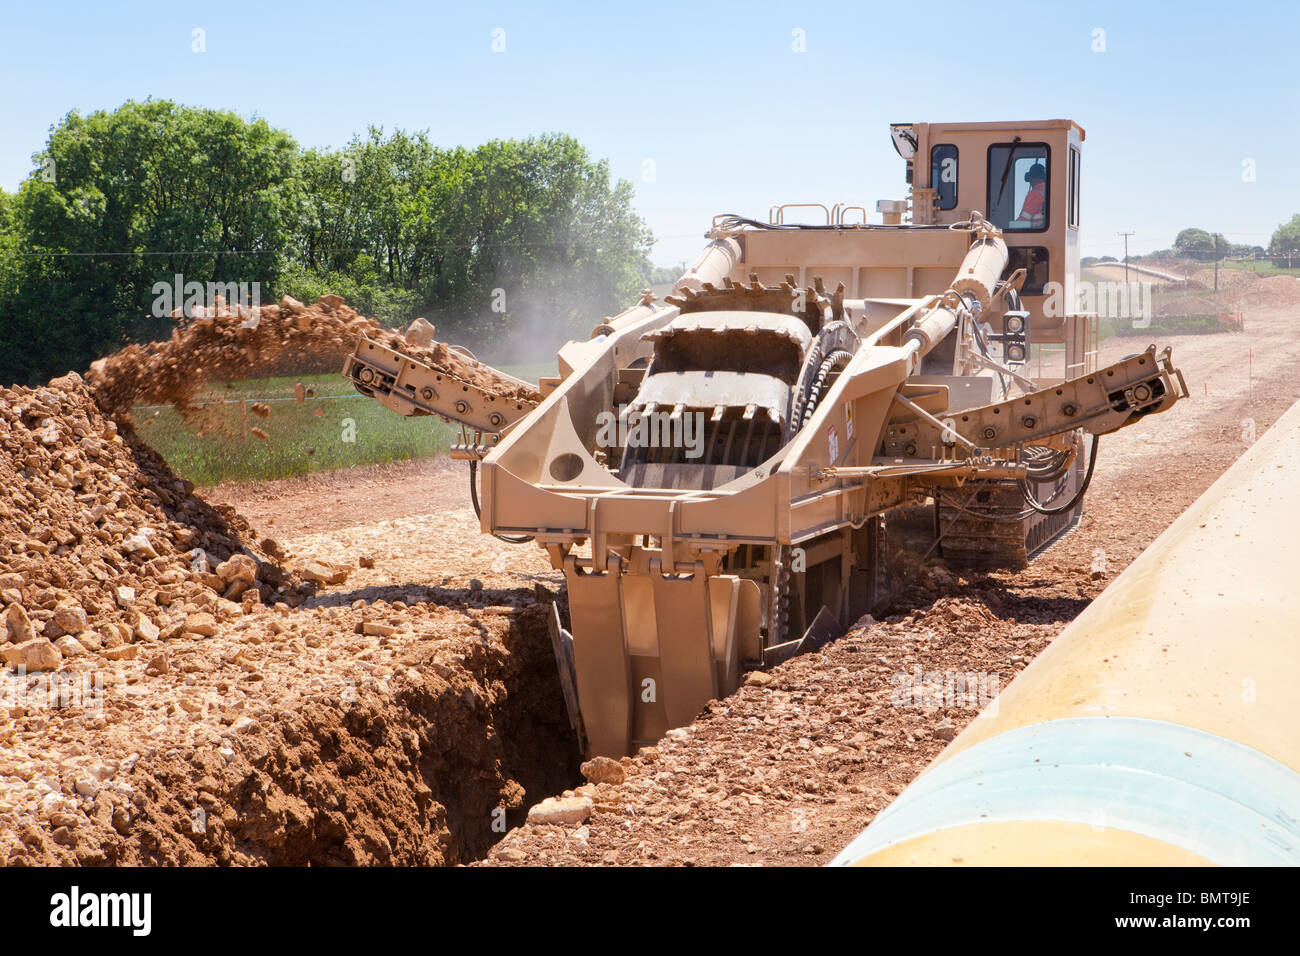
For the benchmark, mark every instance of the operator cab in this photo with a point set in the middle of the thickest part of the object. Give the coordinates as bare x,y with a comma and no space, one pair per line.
1024,178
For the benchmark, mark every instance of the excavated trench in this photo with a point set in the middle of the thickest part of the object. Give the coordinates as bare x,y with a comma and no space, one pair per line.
434,772
231,734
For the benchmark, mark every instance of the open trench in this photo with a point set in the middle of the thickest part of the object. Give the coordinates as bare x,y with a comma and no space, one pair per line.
432,771
430,767
361,725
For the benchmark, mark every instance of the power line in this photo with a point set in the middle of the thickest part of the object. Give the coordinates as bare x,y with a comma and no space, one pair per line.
316,252
1125,235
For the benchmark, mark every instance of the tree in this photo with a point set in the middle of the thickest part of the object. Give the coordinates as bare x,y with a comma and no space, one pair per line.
524,238
127,198
555,235
667,275
1285,244
1194,244
9,273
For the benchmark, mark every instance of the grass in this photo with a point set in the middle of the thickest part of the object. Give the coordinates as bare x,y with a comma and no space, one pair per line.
1264,267
336,427
1174,324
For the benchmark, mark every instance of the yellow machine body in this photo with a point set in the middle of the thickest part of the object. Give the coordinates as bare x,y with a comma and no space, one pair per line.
723,476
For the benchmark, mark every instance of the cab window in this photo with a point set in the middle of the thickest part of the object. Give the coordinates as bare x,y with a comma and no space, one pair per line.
1033,259
1073,220
943,175
1019,186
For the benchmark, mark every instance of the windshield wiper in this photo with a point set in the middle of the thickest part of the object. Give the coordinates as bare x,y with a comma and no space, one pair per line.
1011,155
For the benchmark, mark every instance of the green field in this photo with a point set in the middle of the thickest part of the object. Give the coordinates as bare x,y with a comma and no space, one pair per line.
335,427
1264,267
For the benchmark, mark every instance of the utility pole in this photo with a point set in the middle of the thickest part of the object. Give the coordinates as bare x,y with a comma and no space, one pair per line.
1125,235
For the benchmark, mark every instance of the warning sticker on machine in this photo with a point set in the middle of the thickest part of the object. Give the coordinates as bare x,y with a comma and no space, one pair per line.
848,421
833,444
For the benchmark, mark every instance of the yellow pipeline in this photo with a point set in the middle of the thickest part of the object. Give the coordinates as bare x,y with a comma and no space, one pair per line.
1161,727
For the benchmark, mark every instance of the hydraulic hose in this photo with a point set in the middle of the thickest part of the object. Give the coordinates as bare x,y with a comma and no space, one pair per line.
473,496
1087,479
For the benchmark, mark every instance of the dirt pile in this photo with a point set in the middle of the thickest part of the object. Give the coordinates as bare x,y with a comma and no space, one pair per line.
171,692
1243,289
102,547
235,342
1230,280
383,734
1271,292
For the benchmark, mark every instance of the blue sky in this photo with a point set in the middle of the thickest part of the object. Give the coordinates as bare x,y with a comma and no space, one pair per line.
732,118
